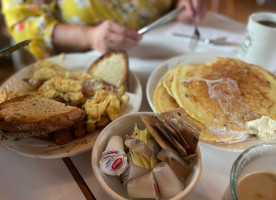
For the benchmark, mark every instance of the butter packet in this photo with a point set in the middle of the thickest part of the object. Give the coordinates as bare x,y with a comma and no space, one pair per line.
141,154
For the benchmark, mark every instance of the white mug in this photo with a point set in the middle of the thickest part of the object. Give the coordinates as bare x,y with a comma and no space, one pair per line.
259,44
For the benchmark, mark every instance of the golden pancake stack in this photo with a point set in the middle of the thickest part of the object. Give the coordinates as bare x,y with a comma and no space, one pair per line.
220,96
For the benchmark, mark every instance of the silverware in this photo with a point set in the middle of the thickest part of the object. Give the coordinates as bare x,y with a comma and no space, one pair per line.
164,19
217,41
196,36
11,49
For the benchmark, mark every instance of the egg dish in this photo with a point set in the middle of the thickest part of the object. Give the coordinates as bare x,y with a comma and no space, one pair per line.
100,101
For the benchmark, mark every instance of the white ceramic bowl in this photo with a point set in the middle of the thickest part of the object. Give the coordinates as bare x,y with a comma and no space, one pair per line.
123,126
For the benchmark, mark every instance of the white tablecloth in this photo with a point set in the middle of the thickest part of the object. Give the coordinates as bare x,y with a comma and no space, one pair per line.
27,178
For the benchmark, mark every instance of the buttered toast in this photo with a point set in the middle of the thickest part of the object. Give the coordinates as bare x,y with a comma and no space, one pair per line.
112,68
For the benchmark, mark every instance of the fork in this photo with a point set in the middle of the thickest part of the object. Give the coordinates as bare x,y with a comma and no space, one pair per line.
215,41
195,38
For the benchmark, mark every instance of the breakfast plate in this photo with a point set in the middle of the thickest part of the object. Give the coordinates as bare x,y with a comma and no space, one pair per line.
43,148
196,58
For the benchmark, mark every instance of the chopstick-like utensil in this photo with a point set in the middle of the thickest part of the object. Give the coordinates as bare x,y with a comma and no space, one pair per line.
78,178
11,49
164,19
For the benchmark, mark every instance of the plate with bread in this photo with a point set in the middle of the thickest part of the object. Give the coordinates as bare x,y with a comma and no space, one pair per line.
232,101
57,107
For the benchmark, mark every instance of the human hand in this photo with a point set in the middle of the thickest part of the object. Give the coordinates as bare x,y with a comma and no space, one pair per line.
194,8
110,35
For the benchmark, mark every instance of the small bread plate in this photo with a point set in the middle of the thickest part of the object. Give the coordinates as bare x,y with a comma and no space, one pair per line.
196,58
42,148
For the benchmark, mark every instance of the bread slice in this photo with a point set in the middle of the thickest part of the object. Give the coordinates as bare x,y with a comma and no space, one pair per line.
112,68
32,114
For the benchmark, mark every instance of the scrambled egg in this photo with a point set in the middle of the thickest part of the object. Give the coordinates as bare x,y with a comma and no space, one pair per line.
104,103
66,89
101,102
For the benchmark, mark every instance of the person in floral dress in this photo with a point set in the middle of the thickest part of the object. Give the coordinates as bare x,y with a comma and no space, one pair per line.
80,25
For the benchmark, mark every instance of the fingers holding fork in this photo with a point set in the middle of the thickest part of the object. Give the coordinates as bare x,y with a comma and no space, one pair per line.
195,10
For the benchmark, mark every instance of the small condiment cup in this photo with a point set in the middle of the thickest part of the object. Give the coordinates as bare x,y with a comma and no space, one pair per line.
168,183
259,158
143,187
115,142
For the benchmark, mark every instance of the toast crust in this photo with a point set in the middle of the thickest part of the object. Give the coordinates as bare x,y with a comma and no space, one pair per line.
21,122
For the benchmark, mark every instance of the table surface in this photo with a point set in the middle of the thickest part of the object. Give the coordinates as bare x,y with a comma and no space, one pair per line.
29,178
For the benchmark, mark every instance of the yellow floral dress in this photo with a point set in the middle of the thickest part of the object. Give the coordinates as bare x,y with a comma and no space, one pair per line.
35,19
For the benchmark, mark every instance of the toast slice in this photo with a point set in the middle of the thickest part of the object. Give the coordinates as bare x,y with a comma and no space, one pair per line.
35,115
112,68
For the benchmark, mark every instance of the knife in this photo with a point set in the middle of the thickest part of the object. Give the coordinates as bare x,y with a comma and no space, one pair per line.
166,18
11,49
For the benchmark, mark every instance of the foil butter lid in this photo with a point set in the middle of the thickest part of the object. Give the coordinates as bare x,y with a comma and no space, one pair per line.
113,162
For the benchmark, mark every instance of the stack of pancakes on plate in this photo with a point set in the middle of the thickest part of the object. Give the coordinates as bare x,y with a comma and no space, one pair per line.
220,96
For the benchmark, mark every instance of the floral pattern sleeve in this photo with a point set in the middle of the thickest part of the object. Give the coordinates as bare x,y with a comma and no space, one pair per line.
31,20
35,19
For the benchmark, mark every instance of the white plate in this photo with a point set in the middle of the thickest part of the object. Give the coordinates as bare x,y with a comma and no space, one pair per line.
42,148
195,58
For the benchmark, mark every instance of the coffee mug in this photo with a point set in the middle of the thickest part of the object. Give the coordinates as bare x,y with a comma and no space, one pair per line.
253,174
259,44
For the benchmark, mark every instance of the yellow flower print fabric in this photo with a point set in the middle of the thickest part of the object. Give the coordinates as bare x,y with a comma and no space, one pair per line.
36,19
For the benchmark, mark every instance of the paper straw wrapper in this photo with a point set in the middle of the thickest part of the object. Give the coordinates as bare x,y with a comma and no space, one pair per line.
143,187
115,142
168,183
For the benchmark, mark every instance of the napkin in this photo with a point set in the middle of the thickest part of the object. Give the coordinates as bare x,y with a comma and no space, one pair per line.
232,43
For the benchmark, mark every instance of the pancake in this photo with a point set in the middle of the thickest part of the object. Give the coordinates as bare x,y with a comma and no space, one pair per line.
168,79
224,95
163,102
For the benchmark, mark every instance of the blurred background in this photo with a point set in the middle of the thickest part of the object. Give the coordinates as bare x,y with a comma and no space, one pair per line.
238,10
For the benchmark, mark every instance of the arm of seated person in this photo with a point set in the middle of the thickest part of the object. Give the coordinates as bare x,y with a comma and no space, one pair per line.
104,37
29,20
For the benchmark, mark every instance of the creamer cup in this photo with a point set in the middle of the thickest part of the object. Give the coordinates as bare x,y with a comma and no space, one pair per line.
133,171
168,183
143,187
113,162
115,142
